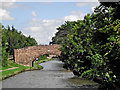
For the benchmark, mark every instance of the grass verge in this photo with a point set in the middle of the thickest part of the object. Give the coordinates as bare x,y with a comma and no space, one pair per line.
8,73
12,72
41,61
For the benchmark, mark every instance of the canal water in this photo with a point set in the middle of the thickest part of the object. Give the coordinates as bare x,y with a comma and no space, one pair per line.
53,75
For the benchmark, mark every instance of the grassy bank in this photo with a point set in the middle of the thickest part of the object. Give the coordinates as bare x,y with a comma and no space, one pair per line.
41,59
20,68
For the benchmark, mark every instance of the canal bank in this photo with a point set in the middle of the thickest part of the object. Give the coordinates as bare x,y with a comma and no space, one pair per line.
53,75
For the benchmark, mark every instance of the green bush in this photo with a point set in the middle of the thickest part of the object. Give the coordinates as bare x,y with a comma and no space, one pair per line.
92,48
42,57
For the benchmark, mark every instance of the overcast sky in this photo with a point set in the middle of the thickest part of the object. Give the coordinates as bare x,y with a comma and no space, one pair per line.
40,19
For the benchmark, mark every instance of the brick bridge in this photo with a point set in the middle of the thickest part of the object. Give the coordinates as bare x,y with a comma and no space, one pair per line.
26,56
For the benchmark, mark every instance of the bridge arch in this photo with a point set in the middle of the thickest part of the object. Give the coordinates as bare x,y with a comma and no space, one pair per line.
26,56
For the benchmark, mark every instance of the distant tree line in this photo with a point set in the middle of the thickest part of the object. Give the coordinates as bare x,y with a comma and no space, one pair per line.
63,31
13,39
91,47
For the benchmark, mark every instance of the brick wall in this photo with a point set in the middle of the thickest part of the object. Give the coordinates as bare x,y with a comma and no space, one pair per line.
26,56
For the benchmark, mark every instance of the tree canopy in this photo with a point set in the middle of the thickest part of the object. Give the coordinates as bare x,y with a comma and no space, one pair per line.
12,39
91,47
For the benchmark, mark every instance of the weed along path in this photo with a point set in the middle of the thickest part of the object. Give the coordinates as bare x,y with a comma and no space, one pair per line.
51,76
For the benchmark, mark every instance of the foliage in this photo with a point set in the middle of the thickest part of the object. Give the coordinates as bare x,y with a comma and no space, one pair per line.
4,46
8,73
92,46
12,39
63,30
42,57
115,5
16,39
0,44
108,47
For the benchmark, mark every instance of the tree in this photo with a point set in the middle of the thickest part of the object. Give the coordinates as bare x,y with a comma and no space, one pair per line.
4,48
62,33
12,39
92,49
17,40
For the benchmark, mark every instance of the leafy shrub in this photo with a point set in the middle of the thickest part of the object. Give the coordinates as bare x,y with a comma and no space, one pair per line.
92,48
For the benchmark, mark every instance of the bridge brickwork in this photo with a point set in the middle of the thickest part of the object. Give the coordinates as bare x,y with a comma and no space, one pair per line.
26,56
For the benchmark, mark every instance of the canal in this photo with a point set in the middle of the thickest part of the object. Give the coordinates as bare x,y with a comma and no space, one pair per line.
53,75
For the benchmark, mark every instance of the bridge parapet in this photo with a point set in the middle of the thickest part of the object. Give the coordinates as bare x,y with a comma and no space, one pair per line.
26,56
